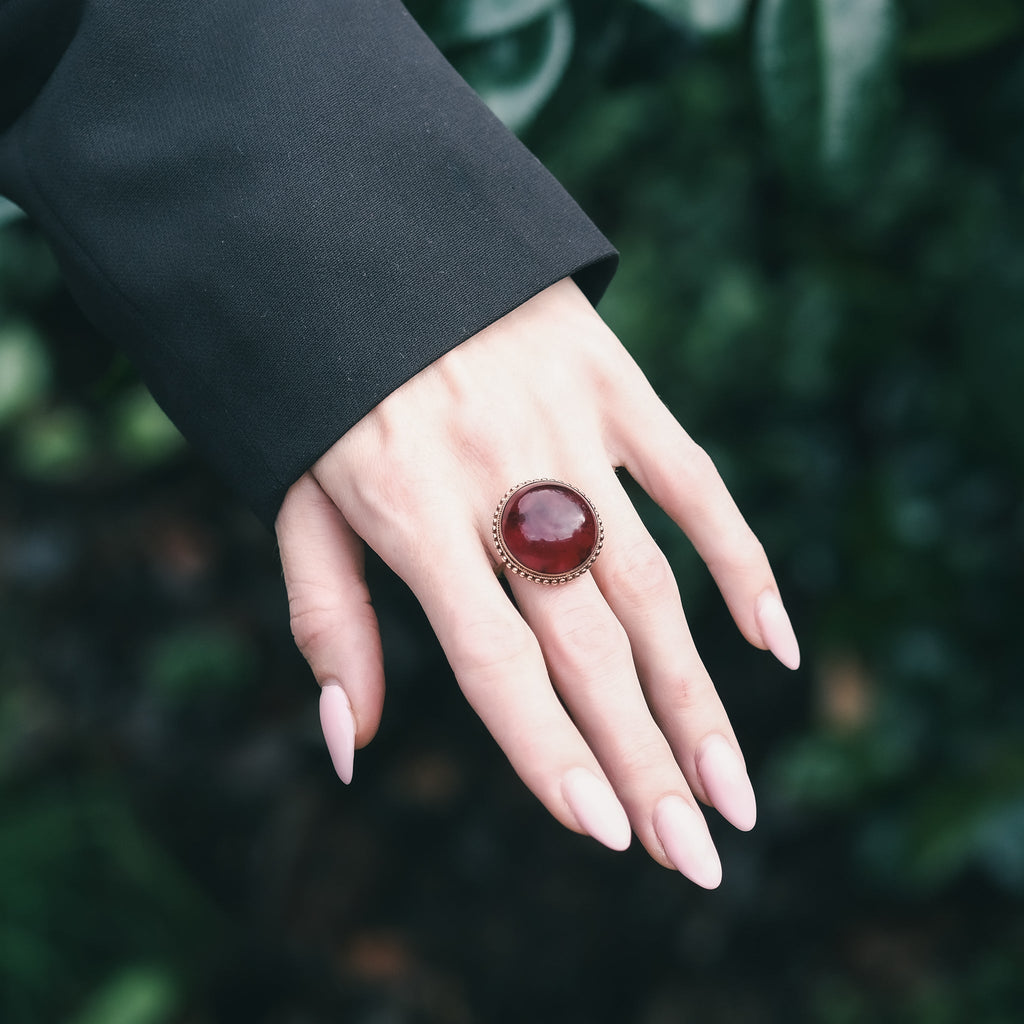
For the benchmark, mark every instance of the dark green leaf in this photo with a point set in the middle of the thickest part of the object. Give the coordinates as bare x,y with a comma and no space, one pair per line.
194,661
134,995
8,211
515,74
789,71
143,434
711,17
825,70
948,29
24,369
55,445
463,21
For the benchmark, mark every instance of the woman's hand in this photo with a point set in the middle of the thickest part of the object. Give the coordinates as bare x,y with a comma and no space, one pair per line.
547,391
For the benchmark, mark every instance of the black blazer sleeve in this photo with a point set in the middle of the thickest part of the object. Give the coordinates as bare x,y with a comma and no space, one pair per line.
281,210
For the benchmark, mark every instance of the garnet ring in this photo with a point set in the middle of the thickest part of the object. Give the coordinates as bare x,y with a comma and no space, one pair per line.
547,531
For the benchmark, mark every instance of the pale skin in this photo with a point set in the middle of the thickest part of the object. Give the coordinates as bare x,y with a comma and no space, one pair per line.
547,391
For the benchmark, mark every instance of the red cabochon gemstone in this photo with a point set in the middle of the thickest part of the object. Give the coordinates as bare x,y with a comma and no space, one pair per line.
549,528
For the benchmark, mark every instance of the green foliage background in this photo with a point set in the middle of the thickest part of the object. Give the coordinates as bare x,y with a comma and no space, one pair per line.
819,208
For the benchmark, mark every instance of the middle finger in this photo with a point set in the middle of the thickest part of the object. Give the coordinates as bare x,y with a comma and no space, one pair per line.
588,657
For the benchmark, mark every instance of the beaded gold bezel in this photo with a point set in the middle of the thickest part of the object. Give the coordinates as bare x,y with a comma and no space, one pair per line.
512,564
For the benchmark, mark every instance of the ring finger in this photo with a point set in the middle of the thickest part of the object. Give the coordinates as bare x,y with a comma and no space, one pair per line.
638,584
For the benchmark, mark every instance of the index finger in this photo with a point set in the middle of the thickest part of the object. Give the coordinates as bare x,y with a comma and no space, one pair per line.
645,438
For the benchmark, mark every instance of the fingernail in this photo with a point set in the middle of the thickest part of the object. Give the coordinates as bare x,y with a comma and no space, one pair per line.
596,808
726,782
777,630
339,728
687,842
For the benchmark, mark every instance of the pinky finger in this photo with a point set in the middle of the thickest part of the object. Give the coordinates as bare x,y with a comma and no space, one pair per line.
332,618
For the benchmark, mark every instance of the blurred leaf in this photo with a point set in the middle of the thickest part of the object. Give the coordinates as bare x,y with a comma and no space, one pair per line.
949,29
1001,843
515,74
958,825
857,40
143,435
843,761
55,445
135,995
943,832
817,770
24,369
8,211
825,69
193,661
711,17
789,69
28,270
81,884
462,21
836,1001
26,716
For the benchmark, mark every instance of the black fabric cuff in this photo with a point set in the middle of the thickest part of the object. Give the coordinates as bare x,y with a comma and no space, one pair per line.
283,212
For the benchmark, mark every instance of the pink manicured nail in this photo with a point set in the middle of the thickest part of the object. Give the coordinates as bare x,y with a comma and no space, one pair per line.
596,808
339,728
776,629
726,782
687,842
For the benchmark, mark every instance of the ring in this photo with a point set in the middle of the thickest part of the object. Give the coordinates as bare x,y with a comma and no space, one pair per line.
547,531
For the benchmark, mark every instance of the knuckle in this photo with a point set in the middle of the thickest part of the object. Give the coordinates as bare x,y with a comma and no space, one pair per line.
585,636
391,479
311,625
641,574
744,557
643,759
699,464
487,646
687,469
397,490
692,689
685,695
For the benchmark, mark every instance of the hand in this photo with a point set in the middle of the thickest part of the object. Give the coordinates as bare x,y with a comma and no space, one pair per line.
547,391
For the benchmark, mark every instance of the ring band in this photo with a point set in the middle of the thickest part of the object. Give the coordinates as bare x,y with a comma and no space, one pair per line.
547,531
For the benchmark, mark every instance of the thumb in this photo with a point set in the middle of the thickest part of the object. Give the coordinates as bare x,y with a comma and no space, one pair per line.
332,619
